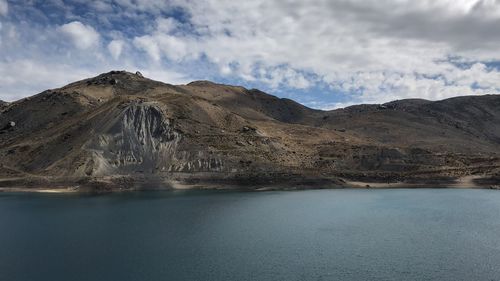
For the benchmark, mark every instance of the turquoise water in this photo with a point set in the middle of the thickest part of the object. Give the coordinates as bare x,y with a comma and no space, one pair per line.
425,234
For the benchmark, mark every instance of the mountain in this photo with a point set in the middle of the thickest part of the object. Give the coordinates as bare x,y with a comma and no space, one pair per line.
120,130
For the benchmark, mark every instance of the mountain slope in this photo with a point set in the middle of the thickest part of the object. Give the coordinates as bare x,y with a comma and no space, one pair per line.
121,130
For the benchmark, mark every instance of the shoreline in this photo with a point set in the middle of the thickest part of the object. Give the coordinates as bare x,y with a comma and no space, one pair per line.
39,190
463,182
466,182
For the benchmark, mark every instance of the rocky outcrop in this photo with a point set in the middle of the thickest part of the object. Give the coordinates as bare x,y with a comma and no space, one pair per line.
143,139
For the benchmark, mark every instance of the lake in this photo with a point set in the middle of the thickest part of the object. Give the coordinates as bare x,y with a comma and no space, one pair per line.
390,234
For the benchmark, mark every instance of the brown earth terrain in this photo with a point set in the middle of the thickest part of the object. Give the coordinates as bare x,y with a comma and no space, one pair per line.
121,131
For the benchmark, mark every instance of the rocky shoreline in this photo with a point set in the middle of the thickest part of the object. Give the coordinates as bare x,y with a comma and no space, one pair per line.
249,184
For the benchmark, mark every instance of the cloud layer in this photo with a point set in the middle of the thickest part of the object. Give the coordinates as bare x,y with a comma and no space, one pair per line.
322,53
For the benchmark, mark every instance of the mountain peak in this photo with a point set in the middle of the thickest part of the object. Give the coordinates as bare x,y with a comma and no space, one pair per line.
115,76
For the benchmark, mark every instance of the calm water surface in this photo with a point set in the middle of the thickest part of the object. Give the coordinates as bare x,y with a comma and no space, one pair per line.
426,234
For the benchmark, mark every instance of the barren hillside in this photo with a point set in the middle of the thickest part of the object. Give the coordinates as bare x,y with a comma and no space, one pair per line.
121,130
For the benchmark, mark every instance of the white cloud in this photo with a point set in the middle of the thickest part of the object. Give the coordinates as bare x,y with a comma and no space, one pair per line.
160,74
82,36
21,78
172,47
275,77
364,50
379,50
225,69
115,48
148,44
166,25
101,6
162,43
4,7
26,77
34,58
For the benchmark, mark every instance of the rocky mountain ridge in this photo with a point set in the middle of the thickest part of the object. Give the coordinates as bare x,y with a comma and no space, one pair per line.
120,130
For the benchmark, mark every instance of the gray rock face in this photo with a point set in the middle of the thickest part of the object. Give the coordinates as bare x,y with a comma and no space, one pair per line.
143,139
140,139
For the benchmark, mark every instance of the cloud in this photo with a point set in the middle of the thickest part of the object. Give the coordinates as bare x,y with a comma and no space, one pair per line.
101,6
4,7
25,77
115,48
374,50
149,45
163,42
338,52
21,78
168,76
34,58
82,36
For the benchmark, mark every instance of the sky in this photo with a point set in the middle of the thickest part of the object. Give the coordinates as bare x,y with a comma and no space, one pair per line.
324,54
